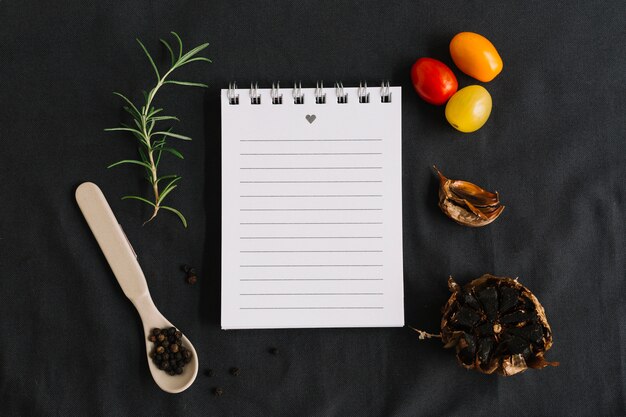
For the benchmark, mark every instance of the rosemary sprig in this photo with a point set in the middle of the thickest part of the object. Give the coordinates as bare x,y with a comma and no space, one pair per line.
152,140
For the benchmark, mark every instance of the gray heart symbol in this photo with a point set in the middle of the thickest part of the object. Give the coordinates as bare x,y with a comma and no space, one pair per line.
310,118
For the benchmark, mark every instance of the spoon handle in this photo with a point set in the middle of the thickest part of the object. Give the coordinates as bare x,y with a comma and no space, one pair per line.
112,240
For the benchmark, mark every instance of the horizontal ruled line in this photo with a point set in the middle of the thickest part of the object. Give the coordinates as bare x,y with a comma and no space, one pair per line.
310,140
310,251
309,182
313,209
311,153
311,279
311,308
255,223
306,266
311,195
264,168
316,293
310,237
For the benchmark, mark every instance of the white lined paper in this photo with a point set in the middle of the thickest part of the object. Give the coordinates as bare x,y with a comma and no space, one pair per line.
311,213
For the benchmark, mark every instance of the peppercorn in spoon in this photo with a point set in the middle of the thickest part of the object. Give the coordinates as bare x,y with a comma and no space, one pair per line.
123,261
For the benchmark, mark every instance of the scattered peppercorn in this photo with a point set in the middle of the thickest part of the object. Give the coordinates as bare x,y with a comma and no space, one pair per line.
235,371
274,351
169,354
209,372
191,274
218,392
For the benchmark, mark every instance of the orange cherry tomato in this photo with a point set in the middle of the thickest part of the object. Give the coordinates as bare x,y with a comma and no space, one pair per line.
476,56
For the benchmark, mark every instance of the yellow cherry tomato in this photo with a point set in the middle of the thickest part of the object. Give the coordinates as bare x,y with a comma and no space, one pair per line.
476,56
469,108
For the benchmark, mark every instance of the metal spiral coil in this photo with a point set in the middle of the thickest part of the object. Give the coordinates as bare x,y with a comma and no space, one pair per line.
276,97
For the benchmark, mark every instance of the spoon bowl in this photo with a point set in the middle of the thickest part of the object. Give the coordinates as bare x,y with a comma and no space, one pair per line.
123,262
152,318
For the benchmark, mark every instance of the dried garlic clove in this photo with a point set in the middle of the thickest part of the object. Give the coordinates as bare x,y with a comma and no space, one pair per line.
467,203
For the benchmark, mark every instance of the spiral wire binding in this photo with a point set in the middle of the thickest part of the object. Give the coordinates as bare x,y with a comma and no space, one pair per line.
255,96
320,96
342,98
385,92
233,97
298,97
277,98
364,96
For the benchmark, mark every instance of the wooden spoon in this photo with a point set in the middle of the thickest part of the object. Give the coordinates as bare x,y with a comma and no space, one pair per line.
123,261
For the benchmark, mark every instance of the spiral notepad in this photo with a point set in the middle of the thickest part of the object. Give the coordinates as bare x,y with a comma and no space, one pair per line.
311,207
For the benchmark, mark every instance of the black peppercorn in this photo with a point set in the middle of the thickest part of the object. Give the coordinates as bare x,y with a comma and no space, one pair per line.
169,354
209,372
218,392
185,268
274,351
235,371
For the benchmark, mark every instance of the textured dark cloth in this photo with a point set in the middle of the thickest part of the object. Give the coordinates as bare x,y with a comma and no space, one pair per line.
554,148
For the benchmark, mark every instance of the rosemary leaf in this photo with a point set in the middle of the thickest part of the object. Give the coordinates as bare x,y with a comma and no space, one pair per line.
154,67
130,161
180,44
161,118
136,197
168,189
173,152
174,135
178,213
169,49
187,83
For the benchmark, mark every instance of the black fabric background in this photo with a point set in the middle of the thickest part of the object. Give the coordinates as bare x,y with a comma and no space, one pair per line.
554,148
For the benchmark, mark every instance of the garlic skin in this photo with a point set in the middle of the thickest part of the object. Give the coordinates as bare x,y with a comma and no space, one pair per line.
466,203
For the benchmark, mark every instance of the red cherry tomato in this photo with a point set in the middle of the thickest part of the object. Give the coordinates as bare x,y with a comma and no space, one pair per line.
433,80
